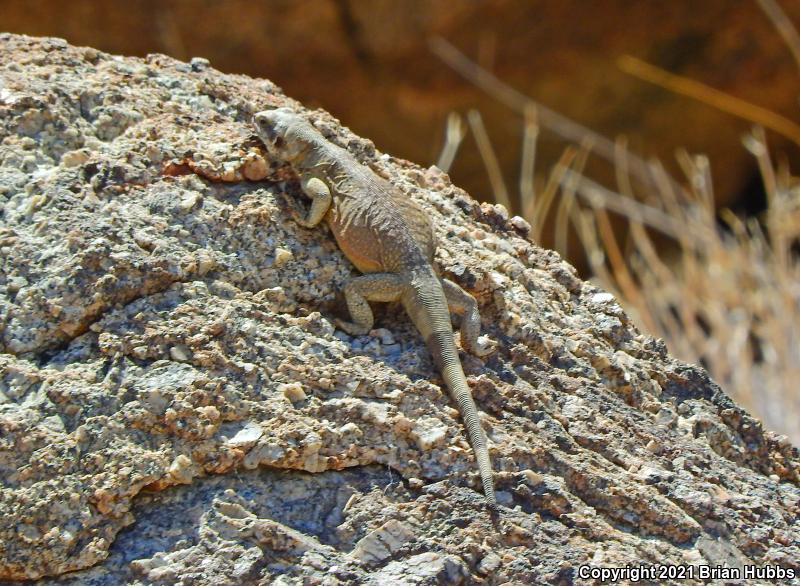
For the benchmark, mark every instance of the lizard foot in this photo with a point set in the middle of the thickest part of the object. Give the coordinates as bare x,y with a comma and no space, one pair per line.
294,210
350,327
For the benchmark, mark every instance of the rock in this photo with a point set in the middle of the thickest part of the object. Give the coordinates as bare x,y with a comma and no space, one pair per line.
146,433
282,256
293,391
382,543
248,434
423,568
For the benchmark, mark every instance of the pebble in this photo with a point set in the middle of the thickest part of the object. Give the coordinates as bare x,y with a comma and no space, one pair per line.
282,256
292,391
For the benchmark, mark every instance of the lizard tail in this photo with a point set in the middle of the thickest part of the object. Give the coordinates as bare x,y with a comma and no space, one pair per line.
427,307
441,345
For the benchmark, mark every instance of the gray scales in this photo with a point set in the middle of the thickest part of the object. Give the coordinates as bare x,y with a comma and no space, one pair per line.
389,239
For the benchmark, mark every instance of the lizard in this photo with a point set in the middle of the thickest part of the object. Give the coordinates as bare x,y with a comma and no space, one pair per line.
391,241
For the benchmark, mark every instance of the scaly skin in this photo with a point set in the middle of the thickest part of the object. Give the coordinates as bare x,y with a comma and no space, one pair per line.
391,241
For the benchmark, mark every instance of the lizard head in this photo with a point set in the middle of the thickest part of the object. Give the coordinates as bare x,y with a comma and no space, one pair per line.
275,128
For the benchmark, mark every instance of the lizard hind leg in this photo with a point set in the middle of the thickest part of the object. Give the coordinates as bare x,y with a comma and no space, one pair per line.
358,292
464,304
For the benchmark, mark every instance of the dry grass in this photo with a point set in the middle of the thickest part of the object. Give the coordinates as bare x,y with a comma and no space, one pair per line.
727,296
725,293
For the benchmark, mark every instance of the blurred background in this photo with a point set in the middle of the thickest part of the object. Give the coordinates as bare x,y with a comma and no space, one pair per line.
650,143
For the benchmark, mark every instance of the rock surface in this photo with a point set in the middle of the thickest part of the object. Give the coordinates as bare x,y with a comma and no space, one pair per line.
176,407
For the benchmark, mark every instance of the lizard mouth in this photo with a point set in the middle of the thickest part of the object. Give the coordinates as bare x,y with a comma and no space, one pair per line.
266,129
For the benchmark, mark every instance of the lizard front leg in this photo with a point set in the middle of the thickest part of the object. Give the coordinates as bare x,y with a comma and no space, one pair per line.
372,287
464,304
320,202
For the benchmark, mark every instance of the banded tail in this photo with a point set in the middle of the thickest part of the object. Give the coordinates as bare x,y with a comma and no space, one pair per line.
426,305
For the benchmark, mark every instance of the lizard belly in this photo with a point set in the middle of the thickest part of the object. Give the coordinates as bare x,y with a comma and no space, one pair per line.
374,234
363,250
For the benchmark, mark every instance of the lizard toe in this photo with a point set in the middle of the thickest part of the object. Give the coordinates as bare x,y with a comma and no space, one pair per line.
350,327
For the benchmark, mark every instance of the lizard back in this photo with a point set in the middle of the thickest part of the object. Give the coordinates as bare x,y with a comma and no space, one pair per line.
377,226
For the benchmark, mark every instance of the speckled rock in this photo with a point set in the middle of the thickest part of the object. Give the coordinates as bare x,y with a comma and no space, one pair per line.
177,408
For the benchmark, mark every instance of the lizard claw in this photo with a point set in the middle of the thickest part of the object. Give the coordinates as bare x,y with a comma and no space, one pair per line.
291,206
349,327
